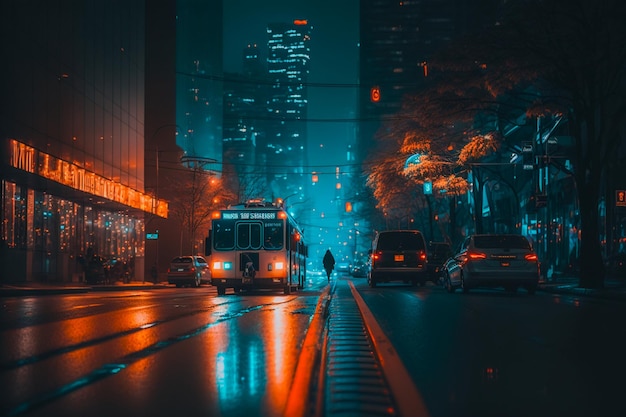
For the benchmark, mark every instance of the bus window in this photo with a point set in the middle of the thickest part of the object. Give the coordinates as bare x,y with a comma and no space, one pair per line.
248,236
255,236
273,236
223,235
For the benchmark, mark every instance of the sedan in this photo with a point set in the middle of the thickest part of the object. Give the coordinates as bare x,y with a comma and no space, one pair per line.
188,270
493,260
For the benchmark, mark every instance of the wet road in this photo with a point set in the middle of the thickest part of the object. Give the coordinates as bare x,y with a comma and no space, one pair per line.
493,353
190,352
167,352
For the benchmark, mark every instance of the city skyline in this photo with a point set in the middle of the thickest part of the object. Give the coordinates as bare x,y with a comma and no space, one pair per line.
334,58
332,83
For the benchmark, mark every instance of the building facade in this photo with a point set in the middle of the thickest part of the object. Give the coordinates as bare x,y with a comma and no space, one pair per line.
245,111
72,131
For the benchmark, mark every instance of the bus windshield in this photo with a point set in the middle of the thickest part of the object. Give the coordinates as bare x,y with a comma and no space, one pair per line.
248,235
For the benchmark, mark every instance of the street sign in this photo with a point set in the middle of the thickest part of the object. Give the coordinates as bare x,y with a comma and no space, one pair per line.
428,187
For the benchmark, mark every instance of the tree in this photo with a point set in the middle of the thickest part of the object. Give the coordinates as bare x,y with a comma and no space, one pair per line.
543,57
581,47
195,194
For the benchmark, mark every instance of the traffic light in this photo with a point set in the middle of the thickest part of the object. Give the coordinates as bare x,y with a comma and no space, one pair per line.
375,94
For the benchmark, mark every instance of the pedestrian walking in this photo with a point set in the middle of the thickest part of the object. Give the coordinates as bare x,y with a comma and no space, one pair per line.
329,263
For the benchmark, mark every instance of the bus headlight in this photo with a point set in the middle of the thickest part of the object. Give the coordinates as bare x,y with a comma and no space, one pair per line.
228,265
280,265
217,265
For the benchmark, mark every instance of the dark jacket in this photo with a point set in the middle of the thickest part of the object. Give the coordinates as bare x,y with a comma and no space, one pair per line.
329,261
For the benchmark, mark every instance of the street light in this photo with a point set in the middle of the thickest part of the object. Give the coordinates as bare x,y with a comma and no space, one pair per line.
195,163
157,209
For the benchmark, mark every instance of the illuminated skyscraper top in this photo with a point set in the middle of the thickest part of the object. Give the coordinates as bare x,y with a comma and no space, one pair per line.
288,69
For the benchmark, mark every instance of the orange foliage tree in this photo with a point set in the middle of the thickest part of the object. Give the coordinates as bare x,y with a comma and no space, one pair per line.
542,57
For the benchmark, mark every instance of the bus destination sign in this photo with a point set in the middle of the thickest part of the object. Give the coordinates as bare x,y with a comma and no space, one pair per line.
249,215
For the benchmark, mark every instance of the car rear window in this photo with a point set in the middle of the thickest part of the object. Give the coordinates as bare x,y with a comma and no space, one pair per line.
501,242
180,260
400,241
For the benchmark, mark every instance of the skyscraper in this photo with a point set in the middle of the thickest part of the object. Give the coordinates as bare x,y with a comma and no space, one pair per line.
284,148
198,81
397,40
245,98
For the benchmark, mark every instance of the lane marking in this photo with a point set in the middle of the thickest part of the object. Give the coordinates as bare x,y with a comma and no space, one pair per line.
403,389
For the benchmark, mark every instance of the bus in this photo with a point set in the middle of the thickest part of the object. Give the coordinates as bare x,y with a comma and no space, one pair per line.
255,245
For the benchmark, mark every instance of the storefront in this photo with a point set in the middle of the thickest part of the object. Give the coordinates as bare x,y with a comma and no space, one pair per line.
56,215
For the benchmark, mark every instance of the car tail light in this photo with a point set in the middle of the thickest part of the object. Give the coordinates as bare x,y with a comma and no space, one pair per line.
531,257
376,256
421,255
476,255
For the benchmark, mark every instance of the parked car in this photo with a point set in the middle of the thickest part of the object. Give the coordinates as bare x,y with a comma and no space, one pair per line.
438,254
398,255
493,260
188,270
342,267
359,270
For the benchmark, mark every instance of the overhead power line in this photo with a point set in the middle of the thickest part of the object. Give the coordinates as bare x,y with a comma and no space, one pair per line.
260,81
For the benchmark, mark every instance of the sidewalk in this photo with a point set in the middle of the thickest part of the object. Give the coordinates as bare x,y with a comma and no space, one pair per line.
613,288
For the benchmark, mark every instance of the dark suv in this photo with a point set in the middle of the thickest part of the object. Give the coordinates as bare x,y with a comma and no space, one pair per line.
398,255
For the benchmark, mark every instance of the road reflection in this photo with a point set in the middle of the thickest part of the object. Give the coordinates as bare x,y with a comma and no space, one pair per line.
255,360
231,357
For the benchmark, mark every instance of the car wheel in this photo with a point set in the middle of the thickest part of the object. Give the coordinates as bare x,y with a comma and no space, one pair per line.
448,285
221,290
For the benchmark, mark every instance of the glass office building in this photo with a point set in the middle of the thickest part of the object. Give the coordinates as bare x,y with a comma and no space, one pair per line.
72,130
284,146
